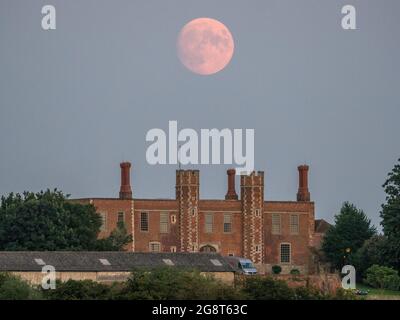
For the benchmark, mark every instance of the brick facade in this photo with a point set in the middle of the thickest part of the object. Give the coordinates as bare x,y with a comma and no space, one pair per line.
267,232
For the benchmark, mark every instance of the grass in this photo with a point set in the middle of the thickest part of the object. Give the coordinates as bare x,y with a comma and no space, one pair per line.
379,294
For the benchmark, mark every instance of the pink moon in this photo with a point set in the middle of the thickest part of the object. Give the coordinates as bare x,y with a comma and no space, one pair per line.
205,46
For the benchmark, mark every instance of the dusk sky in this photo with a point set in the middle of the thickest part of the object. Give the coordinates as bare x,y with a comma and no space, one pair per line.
78,100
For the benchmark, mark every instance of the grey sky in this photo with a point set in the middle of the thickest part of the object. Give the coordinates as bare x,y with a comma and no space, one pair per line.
76,101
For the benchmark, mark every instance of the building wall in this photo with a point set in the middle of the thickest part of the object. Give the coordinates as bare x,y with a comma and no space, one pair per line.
35,278
251,217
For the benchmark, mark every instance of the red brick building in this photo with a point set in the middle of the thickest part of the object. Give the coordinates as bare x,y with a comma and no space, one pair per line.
267,232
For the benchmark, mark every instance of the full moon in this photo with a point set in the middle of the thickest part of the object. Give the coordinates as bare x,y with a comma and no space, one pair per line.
205,46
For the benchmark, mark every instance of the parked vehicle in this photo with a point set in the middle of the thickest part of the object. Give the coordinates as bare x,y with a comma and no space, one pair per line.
242,265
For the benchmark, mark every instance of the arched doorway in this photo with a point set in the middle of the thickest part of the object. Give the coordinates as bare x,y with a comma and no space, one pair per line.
207,248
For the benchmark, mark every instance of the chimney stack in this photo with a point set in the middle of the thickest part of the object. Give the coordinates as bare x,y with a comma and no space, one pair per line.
125,191
231,194
303,194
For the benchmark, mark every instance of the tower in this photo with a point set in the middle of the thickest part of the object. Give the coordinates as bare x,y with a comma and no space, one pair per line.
252,198
187,195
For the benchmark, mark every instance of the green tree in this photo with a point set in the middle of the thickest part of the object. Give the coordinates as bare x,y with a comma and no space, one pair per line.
352,227
168,283
382,277
390,215
48,221
14,288
79,290
267,288
373,251
118,238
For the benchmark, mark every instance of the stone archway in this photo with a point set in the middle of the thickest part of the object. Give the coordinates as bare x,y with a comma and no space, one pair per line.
207,248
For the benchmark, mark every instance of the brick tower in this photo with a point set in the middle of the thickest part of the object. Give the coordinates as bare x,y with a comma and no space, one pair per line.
252,197
187,195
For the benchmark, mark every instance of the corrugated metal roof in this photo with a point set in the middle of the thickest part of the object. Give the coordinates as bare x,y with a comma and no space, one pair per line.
118,261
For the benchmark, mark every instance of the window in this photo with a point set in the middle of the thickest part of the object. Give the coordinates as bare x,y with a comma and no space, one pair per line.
103,221
164,222
216,262
168,262
194,212
285,253
105,262
40,262
144,221
294,224
209,223
121,217
231,254
258,248
173,218
227,223
208,248
173,249
257,213
276,223
155,247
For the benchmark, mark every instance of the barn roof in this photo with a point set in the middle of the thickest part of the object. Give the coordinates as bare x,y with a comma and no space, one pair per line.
109,261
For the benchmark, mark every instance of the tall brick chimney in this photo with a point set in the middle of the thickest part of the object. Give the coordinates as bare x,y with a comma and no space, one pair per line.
231,194
303,194
125,191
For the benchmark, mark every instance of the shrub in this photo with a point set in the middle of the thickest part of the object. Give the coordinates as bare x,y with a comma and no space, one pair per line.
78,290
308,293
342,294
382,277
14,288
295,272
276,269
391,282
266,288
176,284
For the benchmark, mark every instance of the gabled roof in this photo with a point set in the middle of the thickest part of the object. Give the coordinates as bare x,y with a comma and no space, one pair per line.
109,261
321,226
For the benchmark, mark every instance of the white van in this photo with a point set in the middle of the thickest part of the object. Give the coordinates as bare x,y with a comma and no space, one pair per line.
242,265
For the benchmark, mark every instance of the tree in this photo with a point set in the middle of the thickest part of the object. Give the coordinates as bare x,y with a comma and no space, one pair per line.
382,277
14,288
390,215
373,251
117,239
79,290
174,283
47,221
352,227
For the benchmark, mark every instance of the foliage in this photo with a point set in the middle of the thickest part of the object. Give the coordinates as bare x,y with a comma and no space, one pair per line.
48,221
118,238
382,277
78,290
14,288
352,227
177,284
276,269
373,251
267,288
295,272
390,215
165,284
